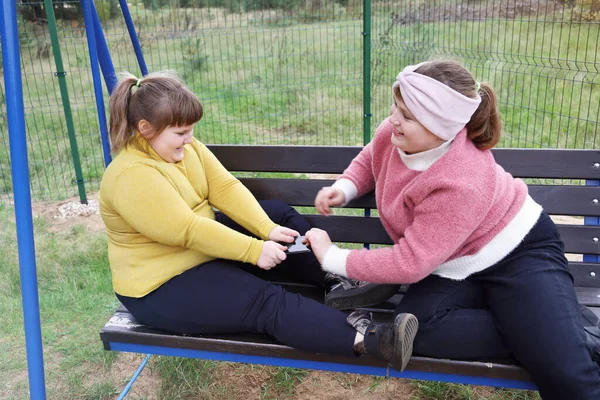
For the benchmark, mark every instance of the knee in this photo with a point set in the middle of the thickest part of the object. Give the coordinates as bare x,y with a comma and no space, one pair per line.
274,204
426,315
284,214
270,306
276,209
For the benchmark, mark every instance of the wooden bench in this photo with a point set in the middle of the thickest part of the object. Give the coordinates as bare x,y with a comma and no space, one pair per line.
309,169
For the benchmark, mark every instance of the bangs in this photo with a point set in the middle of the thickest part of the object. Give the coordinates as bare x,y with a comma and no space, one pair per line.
180,108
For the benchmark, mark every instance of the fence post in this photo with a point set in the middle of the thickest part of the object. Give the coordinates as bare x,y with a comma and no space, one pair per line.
366,71
367,81
64,94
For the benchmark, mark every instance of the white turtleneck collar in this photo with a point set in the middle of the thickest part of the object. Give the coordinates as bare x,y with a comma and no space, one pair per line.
425,159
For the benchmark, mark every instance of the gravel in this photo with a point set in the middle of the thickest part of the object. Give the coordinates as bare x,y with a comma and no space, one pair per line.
75,209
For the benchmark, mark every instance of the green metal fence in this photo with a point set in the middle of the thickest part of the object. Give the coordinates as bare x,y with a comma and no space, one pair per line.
281,72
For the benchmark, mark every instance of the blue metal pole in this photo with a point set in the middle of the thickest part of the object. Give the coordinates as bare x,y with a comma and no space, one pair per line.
591,221
15,110
86,6
134,38
134,377
106,64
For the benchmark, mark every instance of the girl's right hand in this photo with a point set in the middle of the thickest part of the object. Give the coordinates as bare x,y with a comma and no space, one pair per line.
329,197
271,255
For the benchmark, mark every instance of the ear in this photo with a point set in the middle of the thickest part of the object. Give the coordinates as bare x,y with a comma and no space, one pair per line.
145,128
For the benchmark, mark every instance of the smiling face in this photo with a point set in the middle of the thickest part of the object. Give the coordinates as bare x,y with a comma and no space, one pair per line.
409,135
169,143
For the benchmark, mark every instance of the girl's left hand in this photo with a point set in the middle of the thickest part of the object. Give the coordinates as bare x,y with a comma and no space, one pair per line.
283,234
319,242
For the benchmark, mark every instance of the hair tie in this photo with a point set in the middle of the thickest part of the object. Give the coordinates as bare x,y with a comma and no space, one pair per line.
477,86
137,84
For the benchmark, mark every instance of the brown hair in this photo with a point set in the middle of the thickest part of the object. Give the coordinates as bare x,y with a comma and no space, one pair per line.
161,98
485,127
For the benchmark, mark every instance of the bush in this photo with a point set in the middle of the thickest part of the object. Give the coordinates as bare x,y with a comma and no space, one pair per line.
269,4
103,8
33,10
155,4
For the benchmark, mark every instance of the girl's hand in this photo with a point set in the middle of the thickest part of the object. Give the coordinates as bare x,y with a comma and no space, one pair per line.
319,242
329,197
271,255
283,234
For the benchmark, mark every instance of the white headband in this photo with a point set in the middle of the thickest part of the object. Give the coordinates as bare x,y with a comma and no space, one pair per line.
440,109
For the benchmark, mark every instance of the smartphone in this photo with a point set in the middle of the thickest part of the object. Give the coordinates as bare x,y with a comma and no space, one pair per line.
297,246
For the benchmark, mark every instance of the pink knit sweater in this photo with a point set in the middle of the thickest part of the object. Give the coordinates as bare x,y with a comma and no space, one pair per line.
457,216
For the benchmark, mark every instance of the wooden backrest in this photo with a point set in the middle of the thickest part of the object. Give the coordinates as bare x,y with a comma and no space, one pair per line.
311,167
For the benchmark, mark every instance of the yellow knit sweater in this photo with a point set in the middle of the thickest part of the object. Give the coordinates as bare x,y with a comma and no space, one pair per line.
159,217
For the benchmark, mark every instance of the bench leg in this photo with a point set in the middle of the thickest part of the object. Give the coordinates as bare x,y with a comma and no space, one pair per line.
134,377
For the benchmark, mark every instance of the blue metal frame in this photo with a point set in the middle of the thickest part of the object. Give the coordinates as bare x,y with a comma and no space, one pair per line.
106,64
99,54
15,110
318,365
134,38
87,6
134,377
592,221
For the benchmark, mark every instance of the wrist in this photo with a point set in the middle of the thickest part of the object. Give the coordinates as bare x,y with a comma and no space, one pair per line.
269,236
335,260
347,187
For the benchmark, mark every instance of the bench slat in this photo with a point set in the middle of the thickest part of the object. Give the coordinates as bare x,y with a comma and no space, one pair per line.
556,200
578,239
550,163
588,296
529,163
586,274
122,328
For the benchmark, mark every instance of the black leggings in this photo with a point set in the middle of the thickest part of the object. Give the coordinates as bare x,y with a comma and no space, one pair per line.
223,296
523,307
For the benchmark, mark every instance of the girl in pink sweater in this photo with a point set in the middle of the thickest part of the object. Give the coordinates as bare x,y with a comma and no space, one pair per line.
488,272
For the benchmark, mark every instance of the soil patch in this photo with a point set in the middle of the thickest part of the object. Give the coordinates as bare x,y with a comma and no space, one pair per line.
65,214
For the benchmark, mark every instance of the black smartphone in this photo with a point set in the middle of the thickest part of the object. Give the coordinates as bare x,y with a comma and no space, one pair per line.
297,246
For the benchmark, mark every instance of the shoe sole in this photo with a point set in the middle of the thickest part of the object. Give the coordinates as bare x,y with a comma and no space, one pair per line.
367,295
406,327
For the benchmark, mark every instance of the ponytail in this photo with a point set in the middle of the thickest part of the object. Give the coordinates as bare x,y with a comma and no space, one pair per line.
485,127
120,127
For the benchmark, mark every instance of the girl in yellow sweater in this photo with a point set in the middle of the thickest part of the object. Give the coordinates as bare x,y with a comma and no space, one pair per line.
179,266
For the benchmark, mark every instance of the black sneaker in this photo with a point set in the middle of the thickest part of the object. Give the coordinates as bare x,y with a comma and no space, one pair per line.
591,325
393,342
345,294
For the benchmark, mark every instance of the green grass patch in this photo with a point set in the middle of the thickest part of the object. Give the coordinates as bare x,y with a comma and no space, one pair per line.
425,390
274,77
75,297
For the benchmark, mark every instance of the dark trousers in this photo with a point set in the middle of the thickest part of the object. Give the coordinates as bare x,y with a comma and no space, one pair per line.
223,296
524,307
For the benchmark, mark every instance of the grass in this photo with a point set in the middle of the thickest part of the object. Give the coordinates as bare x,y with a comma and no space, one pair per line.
263,77
75,295
269,77
76,299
